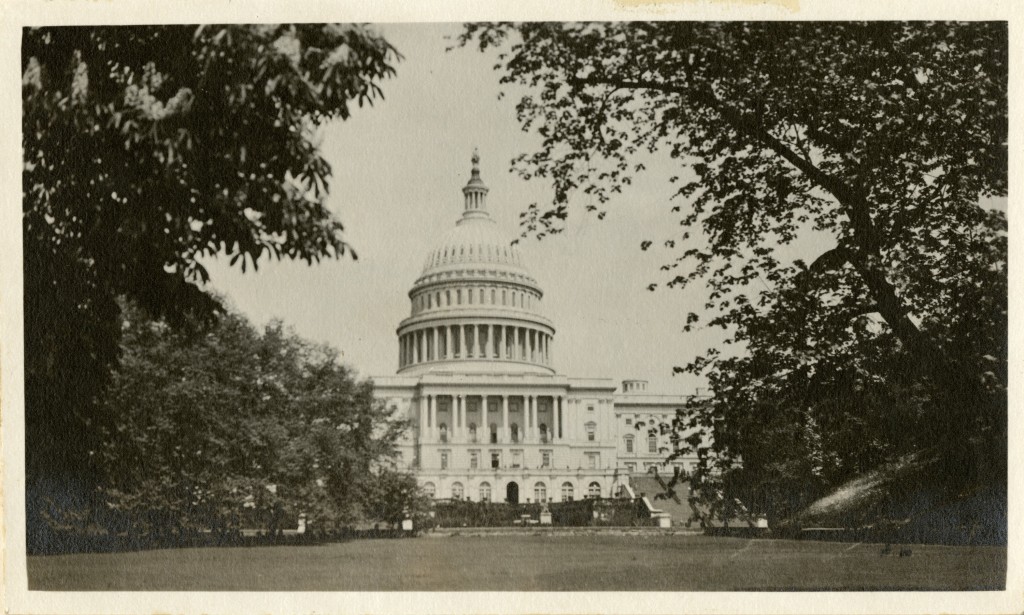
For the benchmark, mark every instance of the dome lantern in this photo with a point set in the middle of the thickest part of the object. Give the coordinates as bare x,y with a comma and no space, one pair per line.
475,192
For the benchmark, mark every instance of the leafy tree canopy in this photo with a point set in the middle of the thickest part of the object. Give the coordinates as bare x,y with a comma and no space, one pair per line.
881,141
230,426
146,149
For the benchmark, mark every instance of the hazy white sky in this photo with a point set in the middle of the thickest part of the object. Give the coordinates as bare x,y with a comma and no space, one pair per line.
398,172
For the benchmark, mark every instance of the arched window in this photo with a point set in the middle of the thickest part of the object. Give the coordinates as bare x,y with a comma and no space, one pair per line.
594,490
443,428
494,433
567,492
629,444
429,489
591,431
652,443
457,491
540,492
485,492
543,433
514,428
472,432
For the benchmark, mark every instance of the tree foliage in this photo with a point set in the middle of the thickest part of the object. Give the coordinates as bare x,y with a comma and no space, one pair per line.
215,429
145,150
880,142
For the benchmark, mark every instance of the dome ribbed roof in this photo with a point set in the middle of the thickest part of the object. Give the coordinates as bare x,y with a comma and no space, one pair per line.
474,242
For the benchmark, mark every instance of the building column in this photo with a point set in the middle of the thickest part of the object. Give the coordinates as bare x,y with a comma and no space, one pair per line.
528,414
517,355
432,418
447,342
492,346
462,341
501,341
480,344
534,417
485,427
505,432
419,347
558,417
460,417
423,419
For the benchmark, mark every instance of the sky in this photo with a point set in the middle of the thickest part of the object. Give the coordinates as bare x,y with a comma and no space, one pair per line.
399,168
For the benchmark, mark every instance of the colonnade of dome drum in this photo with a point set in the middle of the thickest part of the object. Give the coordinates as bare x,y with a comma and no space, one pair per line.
478,341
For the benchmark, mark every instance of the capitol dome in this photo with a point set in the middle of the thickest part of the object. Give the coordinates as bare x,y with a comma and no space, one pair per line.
475,306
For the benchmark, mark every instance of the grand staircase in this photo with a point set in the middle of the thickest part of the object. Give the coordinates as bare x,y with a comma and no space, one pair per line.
645,485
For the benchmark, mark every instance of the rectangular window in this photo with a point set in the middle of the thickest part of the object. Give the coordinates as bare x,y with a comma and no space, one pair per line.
495,459
593,460
545,459
458,297
474,460
590,408
652,444
444,460
629,422
517,459
629,445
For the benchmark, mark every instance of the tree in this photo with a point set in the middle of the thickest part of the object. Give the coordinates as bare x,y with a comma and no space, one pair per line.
881,141
395,496
207,426
145,150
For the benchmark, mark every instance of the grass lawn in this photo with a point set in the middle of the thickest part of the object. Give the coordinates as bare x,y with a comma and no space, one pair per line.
530,562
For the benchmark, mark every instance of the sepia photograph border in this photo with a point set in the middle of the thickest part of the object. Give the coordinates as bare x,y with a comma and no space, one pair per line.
17,598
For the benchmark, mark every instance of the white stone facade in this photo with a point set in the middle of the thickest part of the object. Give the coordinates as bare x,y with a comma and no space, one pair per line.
492,418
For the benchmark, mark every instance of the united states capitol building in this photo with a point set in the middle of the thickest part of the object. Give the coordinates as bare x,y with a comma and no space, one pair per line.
492,418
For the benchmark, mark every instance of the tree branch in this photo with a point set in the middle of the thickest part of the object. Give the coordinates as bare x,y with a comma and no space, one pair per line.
866,258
